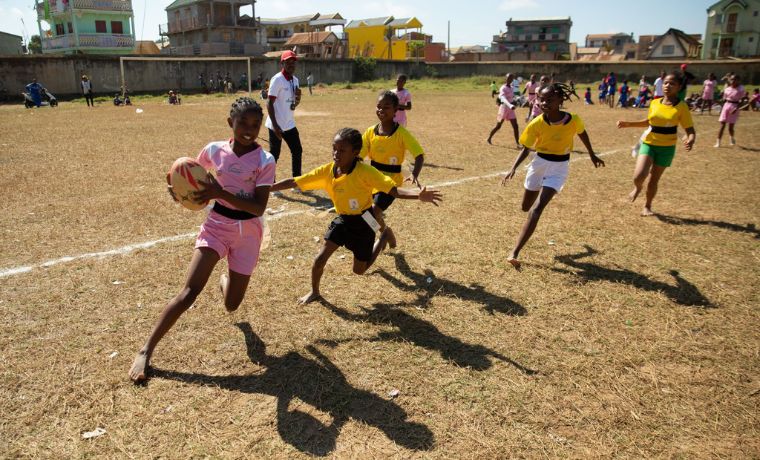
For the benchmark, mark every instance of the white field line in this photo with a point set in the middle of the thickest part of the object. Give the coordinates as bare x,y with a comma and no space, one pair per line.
6,272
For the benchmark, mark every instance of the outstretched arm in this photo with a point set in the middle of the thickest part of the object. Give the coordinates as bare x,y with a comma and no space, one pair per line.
511,173
284,184
633,124
587,143
428,196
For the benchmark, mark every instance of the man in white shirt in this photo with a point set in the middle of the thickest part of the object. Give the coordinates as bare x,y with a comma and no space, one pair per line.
283,97
658,86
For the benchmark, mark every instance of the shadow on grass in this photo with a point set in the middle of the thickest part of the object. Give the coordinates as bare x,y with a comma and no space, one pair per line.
749,149
435,166
419,284
423,334
673,220
683,293
318,382
309,198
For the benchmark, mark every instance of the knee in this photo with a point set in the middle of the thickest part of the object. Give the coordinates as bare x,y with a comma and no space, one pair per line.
526,207
188,295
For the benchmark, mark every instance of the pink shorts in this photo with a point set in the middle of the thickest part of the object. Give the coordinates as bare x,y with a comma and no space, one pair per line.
505,113
707,95
237,240
725,113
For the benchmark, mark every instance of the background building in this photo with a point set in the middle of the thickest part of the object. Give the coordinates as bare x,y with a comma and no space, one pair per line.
213,28
11,44
318,45
733,29
280,30
87,26
675,44
384,38
549,36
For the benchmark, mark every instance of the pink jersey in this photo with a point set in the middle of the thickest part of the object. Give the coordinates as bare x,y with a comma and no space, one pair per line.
709,90
530,89
404,96
506,93
731,98
238,175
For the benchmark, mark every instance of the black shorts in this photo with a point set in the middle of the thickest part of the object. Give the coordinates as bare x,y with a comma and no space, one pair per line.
354,233
383,200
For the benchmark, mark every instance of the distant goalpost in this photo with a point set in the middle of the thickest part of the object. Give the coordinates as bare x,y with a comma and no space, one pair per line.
122,59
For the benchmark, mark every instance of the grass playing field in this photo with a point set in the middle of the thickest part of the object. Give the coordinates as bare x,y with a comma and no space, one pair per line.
622,336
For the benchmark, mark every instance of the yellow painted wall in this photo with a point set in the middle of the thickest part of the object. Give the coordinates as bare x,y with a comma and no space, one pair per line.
369,41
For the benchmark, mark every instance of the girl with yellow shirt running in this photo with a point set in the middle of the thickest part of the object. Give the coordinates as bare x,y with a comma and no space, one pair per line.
386,144
350,183
659,142
550,135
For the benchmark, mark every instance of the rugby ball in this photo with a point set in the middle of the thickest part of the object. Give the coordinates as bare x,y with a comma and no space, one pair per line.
185,177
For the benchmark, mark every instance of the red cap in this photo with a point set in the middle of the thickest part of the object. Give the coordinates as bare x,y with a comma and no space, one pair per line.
288,55
683,66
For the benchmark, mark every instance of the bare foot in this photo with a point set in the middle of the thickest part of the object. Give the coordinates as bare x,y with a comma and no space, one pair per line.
634,194
646,212
489,140
515,263
309,298
138,373
391,237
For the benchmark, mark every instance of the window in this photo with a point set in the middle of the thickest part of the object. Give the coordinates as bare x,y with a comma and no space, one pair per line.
751,39
100,27
542,36
718,20
555,30
731,23
71,29
555,36
117,27
59,29
754,13
715,43
668,49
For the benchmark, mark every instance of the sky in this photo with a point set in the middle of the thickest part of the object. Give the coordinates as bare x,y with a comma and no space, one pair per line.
471,23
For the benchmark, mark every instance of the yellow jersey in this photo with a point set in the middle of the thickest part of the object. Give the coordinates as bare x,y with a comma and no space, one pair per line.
552,139
664,120
389,150
350,193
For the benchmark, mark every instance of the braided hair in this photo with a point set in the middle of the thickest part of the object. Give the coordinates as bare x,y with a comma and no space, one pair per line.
352,136
244,105
390,95
564,91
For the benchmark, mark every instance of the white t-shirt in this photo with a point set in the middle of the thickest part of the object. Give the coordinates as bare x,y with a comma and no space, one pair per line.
284,91
658,87
86,86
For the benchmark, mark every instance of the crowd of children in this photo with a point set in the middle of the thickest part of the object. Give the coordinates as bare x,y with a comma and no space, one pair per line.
365,175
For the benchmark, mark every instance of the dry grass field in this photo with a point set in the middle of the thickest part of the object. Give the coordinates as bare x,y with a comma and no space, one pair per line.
623,336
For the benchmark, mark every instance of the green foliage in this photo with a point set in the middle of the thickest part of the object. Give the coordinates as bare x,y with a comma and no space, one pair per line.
364,68
35,45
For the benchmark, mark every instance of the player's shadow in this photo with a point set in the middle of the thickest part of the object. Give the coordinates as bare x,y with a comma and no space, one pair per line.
427,285
683,293
749,149
674,220
308,198
315,381
411,329
435,166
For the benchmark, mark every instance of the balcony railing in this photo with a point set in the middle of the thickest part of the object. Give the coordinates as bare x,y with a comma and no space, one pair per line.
119,41
57,6
194,22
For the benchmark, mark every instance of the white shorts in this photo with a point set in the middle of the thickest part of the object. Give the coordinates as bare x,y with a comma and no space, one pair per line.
545,173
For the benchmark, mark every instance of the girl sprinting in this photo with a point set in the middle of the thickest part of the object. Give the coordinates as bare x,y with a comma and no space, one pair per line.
659,142
551,137
350,183
385,145
232,230
506,109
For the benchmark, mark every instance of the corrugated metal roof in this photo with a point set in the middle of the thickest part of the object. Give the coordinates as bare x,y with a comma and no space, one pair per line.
309,38
290,20
370,22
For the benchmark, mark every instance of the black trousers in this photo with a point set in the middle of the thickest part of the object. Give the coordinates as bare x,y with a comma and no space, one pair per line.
90,98
293,140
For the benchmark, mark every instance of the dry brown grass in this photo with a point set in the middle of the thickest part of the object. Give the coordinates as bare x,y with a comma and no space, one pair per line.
642,332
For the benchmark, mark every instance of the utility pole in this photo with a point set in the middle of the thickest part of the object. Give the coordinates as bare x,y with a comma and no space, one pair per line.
448,39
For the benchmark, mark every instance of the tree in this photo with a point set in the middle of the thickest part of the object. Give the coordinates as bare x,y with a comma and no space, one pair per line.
35,45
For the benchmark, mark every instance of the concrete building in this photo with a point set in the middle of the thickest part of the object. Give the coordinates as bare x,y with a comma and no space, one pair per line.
10,44
383,38
733,29
318,45
543,35
675,44
279,30
611,42
213,28
86,26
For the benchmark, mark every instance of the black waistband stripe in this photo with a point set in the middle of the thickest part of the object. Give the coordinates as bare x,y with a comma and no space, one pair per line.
232,213
385,167
552,157
664,129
